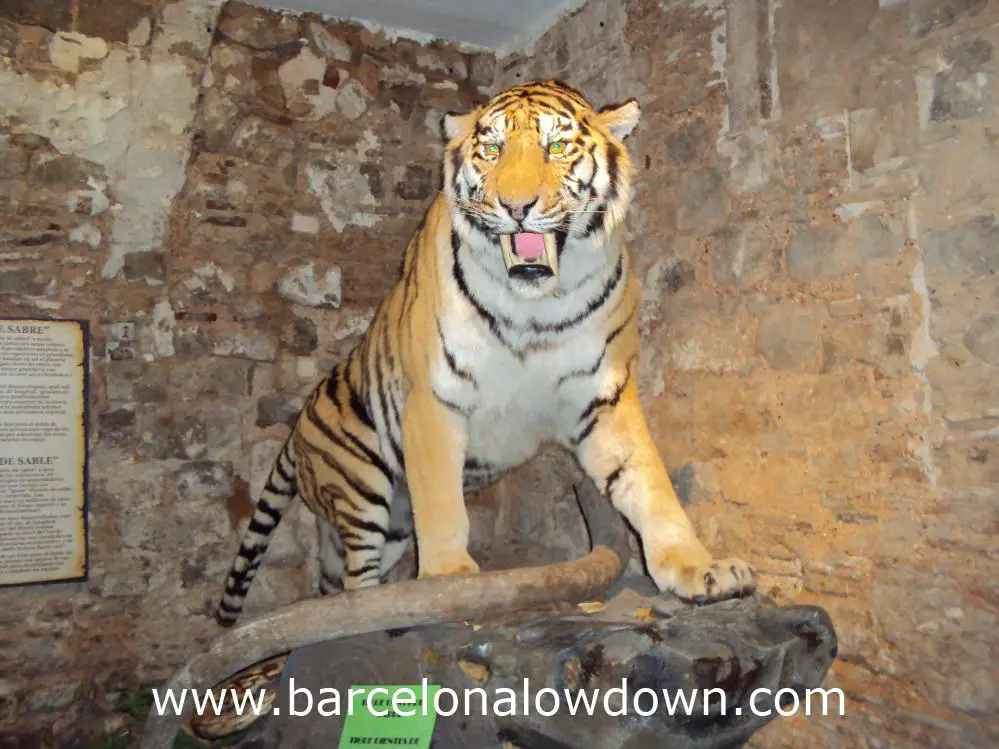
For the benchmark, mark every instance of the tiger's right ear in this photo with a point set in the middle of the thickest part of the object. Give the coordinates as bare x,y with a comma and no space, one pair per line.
458,126
621,120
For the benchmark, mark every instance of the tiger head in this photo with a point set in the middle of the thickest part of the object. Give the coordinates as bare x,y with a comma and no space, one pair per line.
536,172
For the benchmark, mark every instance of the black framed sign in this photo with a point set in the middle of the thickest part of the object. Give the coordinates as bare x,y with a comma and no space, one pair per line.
44,392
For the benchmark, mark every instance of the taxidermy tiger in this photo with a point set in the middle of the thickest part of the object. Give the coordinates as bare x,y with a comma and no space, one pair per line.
514,324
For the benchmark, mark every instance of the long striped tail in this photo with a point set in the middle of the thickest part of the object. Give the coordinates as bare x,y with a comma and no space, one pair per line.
276,497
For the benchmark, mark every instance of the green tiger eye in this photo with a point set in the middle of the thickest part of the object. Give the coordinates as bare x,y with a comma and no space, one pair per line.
556,148
492,149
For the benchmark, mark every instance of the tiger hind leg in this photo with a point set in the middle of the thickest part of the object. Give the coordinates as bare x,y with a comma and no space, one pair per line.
395,548
399,534
363,553
360,502
277,495
331,558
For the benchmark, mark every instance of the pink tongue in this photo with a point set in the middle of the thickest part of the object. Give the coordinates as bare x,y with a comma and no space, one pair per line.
529,246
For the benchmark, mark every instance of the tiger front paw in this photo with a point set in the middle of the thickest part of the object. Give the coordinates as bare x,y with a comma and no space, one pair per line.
707,582
450,563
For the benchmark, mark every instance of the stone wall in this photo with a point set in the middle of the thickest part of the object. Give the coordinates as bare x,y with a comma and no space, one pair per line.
225,198
815,225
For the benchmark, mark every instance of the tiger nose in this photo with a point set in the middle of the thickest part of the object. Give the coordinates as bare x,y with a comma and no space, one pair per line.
518,209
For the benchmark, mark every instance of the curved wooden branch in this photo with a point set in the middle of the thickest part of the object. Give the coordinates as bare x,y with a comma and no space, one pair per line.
410,603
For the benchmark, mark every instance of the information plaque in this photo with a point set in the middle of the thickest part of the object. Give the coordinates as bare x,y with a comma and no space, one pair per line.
44,379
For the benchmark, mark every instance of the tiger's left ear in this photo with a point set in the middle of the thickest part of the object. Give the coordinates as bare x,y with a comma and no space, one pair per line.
458,126
621,119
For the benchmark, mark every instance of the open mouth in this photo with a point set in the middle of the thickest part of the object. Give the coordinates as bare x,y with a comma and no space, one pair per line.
529,256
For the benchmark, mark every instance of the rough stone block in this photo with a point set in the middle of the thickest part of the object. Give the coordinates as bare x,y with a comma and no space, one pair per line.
69,50
881,135
217,119
726,415
327,44
701,202
87,234
881,336
965,389
815,254
112,21
353,100
696,483
417,183
926,16
302,286
968,462
754,170
816,157
304,224
54,697
8,38
192,341
27,281
820,51
212,377
231,70
258,28
689,142
149,267
116,429
279,408
342,189
791,337
13,159
203,480
374,174
482,71
745,255
53,14
256,345
968,249
956,175
443,61
300,336
131,381
135,520
268,90
966,86
263,142
982,339
193,434
63,172
876,238
209,282
666,277
716,345
32,49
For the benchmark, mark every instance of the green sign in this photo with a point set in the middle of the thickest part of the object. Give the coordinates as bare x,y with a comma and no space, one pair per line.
382,715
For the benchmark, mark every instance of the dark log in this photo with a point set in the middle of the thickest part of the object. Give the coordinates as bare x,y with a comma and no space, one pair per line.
399,605
753,656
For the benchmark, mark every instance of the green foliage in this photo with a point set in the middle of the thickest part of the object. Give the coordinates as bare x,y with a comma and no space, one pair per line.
136,706
118,740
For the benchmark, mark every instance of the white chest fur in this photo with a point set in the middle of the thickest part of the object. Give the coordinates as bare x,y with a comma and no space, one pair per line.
511,404
517,386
